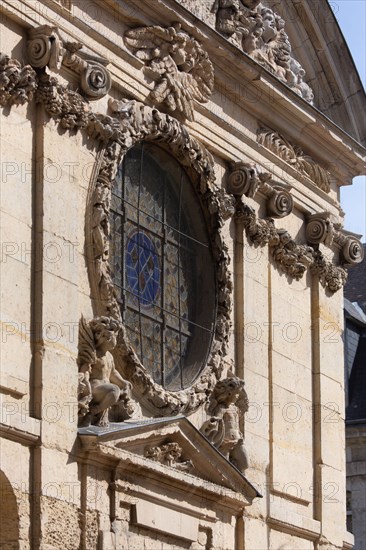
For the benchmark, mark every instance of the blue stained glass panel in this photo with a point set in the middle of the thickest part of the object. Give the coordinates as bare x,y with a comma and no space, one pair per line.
142,268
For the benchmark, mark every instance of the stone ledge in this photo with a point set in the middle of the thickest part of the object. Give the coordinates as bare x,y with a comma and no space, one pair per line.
293,523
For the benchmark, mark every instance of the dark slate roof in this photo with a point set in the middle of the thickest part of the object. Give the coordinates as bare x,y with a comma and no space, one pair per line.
356,409
355,289
354,312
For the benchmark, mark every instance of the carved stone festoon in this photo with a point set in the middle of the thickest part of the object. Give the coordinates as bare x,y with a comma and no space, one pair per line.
17,84
246,179
180,67
228,403
47,49
295,157
259,32
100,385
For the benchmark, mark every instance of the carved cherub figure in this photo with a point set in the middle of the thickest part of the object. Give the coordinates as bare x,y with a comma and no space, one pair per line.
228,401
176,61
100,384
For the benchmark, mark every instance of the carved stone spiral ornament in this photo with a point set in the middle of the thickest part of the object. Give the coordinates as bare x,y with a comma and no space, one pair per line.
240,180
45,48
353,251
317,231
39,51
280,204
95,80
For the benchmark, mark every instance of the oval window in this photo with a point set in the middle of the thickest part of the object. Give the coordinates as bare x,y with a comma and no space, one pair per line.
162,266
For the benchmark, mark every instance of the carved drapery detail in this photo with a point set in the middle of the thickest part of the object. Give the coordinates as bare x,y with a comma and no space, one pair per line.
138,122
227,404
295,157
46,48
169,454
259,32
17,84
246,179
180,67
100,385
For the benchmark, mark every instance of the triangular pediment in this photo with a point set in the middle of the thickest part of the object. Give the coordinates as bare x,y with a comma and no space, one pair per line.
312,36
168,448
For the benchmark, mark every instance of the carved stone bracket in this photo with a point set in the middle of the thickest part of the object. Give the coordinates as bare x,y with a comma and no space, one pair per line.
180,67
46,48
246,179
295,157
228,403
136,123
320,229
17,84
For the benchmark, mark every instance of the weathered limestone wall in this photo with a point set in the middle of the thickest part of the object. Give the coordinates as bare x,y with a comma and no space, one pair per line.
285,340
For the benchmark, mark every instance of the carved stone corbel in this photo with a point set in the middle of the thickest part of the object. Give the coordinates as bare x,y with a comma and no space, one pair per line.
47,49
351,247
245,179
320,229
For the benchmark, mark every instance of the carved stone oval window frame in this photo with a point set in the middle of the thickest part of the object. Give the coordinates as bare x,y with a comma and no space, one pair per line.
137,123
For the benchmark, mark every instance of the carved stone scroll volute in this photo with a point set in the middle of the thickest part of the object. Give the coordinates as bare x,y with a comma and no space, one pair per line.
46,48
246,179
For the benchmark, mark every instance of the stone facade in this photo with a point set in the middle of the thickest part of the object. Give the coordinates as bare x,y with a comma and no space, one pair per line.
96,453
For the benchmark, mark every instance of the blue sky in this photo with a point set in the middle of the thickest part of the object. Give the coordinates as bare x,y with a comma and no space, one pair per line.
351,16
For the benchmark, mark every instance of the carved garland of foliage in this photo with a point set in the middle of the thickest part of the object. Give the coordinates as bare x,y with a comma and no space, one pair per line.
290,258
17,83
137,123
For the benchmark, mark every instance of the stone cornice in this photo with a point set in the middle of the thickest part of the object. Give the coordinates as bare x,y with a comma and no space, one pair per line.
279,107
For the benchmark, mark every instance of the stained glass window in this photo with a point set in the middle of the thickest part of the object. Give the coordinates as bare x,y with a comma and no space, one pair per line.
162,266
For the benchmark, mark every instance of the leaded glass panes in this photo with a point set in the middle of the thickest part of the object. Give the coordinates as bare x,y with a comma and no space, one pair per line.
162,266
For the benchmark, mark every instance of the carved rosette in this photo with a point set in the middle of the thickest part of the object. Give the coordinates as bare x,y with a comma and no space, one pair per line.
245,179
17,84
136,123
295,157
47,49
